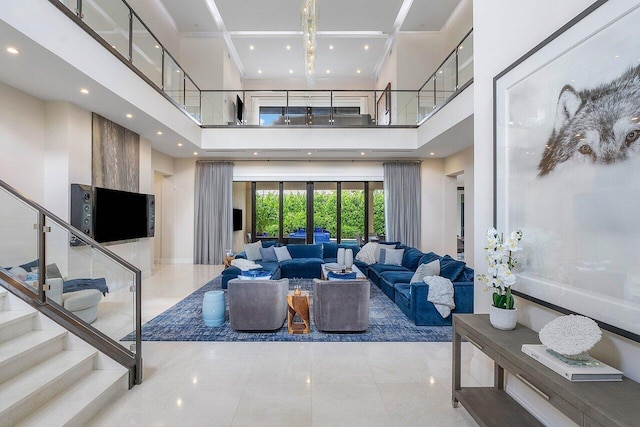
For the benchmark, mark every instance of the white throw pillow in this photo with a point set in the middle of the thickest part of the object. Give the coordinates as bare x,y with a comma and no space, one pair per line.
392,256
252,250
379,247
18,272
424,270
282,253
368,253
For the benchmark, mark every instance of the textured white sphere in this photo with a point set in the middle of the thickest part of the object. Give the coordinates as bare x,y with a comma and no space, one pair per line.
570,335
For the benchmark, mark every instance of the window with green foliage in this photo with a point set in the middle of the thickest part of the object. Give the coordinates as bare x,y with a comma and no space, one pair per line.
325,210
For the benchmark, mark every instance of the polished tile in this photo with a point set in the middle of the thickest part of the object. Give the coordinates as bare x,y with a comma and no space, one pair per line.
281,384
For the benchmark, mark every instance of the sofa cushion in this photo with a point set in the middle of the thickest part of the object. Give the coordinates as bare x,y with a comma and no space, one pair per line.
269,243
380,247
306,268
392,277
391,256
268,254
329,250
451,268
368,253
282,253
411,258
428,257
466,275
424,270
252,251
380,268
305,251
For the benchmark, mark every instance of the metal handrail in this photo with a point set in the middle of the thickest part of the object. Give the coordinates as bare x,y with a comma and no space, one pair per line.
44,214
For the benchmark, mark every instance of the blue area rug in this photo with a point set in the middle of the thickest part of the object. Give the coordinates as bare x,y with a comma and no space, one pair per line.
183,322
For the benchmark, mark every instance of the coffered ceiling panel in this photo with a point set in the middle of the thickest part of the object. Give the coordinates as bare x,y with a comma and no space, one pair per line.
429,15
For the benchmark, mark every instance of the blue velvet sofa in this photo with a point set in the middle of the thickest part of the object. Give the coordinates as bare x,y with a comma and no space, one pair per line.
306,261
411,298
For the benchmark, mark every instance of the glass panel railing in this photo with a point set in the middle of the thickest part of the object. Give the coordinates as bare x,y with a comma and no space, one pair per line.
465,60
17,234
427,98
192,99
110,20
447,76
407,111
353,108
173,84
265,108
212,107
311,108
92,290
72,5
147,52
110,306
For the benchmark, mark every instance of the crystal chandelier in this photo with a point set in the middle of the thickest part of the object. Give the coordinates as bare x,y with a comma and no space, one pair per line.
309,31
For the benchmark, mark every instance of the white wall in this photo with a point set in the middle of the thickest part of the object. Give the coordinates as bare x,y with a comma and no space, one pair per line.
432,199
504,31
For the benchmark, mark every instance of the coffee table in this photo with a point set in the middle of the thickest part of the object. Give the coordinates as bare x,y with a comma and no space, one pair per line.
359,274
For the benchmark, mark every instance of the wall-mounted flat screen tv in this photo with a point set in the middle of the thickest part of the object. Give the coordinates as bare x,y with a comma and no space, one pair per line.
239,109
120,215
237,219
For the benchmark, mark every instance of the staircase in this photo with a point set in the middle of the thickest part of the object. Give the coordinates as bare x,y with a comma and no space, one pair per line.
48,377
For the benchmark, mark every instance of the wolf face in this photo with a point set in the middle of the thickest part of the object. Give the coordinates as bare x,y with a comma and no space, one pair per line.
600,125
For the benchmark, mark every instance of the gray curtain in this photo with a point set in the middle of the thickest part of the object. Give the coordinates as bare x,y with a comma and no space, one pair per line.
213,211
402,202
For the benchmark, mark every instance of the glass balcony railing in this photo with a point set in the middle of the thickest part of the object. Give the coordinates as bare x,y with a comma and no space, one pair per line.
120,29
56,261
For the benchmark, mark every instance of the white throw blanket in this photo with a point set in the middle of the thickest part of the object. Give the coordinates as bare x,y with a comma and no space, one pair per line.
244,264
440,294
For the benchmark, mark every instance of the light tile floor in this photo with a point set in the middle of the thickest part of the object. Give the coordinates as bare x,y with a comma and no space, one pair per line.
282,383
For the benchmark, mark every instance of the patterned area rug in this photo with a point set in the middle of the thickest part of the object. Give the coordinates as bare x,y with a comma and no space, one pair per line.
183,322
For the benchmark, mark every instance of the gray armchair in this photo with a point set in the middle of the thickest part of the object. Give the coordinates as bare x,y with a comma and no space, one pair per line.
341,305
257,305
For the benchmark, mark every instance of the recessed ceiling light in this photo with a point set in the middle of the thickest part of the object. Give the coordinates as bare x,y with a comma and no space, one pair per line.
432,153
366,47
255,153
129,115
362,153
290,71
330,47
159,132
13,50
328,71
288,47
440,72
179,144
259,71
309,153
251,47
195,153
85,91
461,47
157,46
617,56
177,71
358,71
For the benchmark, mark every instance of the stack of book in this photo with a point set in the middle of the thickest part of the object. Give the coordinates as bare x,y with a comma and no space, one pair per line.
590,369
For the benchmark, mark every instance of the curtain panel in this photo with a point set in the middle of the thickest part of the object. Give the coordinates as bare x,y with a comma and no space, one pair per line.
213,211
402,190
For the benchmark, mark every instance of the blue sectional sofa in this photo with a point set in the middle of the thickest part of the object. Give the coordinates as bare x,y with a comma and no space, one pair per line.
411,298
394,280
305,262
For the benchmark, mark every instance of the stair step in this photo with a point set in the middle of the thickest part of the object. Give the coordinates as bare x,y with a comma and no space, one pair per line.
27,350
80,402
28,391
14,323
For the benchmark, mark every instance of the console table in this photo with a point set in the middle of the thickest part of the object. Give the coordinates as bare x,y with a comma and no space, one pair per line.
589,404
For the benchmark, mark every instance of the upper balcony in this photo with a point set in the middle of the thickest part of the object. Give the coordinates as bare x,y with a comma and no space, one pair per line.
119,29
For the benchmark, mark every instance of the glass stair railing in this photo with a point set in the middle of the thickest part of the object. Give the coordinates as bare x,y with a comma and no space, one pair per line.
118,28
86,288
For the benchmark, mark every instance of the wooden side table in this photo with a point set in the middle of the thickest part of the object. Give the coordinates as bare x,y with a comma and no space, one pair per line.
227,260
298,304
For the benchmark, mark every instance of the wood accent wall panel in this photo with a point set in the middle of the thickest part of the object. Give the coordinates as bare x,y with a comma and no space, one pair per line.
116,156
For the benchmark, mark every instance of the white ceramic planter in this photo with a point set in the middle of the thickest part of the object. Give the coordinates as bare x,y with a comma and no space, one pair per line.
503,319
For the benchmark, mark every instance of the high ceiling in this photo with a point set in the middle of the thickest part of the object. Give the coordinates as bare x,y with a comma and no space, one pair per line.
264,37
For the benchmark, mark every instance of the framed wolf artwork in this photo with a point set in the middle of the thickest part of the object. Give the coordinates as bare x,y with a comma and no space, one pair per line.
567,166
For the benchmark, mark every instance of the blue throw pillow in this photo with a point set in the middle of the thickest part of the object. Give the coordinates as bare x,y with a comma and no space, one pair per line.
451,268
28,266
269,243
268,254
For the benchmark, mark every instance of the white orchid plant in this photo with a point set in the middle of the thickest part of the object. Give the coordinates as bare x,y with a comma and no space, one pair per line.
501,263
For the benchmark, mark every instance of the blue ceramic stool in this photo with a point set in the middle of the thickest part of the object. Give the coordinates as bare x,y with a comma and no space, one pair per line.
213,308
